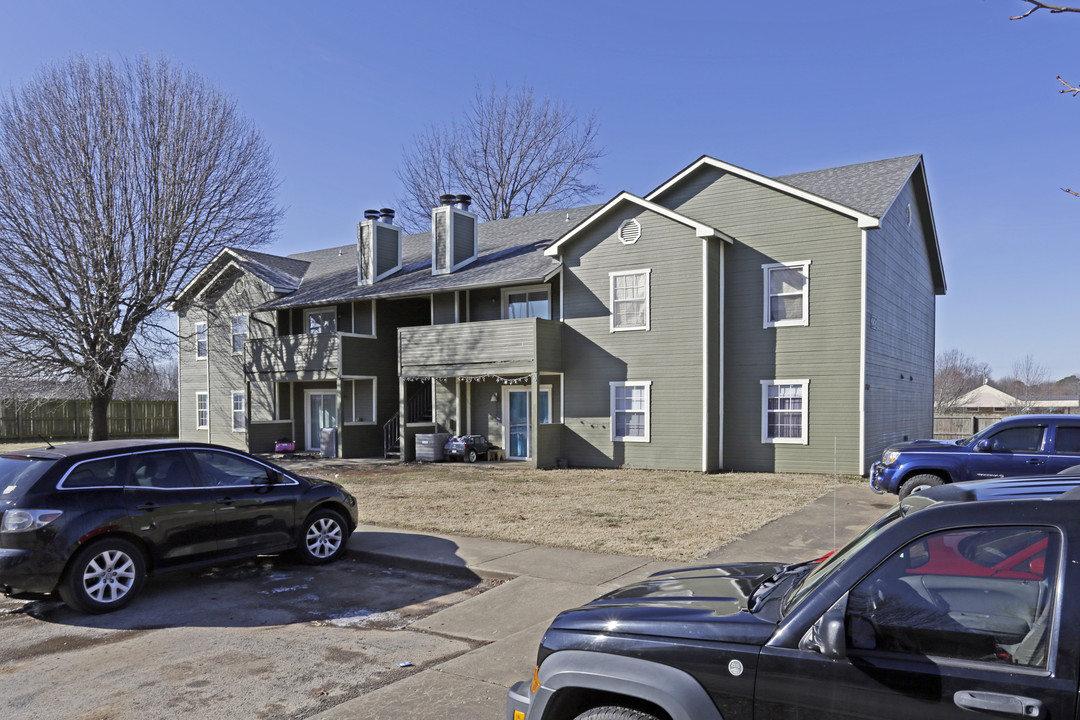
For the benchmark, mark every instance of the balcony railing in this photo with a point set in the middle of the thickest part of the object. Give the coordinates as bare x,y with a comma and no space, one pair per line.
496,347
296,357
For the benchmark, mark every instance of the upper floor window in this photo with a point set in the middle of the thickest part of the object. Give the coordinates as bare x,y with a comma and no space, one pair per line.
630,411
527,302
201,341
239,421
787,294
783,411
630,300
320,321
239,332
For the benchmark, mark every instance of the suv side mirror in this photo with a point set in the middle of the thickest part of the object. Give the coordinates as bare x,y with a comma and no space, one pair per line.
983,446
826,636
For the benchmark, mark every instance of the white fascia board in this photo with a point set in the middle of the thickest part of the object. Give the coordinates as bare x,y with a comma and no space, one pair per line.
701,230
865,221
206,271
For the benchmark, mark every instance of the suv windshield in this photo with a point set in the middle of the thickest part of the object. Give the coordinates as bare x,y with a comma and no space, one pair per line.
834,562
18,472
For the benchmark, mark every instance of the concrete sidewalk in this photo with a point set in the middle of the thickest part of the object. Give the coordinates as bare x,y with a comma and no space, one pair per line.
539,583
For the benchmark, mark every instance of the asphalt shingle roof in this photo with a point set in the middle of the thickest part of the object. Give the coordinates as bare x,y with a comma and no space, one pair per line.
511,251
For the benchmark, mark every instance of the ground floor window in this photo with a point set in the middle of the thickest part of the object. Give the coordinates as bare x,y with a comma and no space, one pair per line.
630,411
202,411
360,402
239,421
783,411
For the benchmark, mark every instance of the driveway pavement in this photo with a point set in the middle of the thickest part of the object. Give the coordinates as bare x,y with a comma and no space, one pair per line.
538,583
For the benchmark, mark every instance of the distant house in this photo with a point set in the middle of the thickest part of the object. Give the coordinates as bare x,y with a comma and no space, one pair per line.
988,399
725,320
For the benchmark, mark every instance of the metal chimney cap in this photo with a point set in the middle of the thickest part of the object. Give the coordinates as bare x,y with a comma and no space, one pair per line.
371,214
447,199
464,201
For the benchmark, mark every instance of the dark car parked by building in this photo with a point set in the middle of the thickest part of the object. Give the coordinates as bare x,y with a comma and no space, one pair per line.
959,602
92,520
1020,445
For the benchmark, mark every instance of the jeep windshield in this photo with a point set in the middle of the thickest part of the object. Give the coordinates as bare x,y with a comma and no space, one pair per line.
802,589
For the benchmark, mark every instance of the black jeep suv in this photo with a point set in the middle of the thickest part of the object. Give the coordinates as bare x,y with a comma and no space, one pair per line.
91,520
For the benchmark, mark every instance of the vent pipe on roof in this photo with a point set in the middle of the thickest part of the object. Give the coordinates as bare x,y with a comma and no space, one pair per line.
371,214
447,199
387,215
463,201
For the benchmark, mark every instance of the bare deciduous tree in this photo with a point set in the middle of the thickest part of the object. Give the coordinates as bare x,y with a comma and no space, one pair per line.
118,182
513,153
1029,383
956,374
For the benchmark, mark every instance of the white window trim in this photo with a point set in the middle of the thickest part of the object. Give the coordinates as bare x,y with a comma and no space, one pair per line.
198,396
804,265
232,329
374,398
805,439
648,300
647,384
206,333
243,409
319,311
507,292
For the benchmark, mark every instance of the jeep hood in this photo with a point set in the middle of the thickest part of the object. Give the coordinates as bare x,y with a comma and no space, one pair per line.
702,603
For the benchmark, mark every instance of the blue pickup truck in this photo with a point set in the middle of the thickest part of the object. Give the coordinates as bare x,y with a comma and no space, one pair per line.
1020,445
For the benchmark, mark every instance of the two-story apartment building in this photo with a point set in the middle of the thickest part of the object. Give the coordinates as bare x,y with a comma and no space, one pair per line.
725,320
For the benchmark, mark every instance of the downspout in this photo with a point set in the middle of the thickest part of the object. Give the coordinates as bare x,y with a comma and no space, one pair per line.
862,358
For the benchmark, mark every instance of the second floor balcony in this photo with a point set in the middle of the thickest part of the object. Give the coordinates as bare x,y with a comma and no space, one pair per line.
496,347
295,357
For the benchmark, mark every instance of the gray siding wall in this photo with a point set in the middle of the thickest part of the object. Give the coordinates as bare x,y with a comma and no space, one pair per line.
464,238
222,373
772,227
669,354
386,247
900,330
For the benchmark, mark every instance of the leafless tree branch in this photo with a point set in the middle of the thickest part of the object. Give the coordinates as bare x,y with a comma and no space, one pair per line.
1036,5
118,183
513,152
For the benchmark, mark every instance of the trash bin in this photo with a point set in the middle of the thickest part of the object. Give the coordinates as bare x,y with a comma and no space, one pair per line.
328,442
429,446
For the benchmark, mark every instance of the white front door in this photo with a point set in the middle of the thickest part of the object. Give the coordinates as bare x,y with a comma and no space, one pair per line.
320,412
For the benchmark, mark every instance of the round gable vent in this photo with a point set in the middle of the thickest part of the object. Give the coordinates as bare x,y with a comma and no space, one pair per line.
630,231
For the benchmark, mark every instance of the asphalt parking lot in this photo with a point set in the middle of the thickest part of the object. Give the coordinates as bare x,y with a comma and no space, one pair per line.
267,638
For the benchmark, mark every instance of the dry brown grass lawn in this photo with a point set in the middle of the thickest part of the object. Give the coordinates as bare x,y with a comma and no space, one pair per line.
659,514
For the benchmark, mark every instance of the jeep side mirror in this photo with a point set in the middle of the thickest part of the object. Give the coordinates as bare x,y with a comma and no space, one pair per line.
826,636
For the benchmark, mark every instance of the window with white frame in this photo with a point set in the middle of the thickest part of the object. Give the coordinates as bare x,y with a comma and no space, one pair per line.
787,294
362,406
630,411
320,321
202,411
630,300
527,302
239,421
239,333
783,411
201,341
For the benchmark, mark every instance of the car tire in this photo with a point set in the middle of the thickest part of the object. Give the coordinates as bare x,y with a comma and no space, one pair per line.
471,456
103,576
322,537
919,482
613,712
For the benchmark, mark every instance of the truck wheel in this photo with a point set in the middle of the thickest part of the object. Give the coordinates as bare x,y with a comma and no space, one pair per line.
919,482
612,712
104,576
471,456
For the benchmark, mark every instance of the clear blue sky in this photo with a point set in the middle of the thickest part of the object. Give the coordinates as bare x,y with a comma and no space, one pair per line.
776,87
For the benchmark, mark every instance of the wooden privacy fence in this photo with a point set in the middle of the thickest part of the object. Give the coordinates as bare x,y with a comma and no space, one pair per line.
955,427
70,419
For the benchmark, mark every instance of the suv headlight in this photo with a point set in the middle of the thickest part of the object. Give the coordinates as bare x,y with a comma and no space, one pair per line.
889,457
27,520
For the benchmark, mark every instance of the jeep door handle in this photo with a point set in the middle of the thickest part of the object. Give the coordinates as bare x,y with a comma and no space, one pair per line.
999,703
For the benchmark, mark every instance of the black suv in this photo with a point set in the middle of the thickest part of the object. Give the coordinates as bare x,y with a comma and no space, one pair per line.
961,598
90,520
